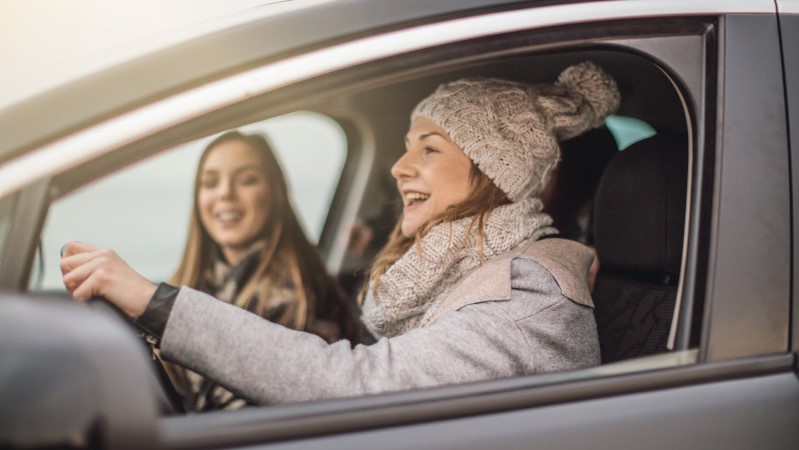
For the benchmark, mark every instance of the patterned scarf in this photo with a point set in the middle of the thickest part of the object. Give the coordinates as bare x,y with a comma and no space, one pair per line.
224,282
449,251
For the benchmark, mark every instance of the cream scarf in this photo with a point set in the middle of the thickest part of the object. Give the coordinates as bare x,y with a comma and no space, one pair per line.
449,251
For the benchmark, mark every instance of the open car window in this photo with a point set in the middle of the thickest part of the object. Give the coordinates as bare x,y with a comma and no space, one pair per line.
145,220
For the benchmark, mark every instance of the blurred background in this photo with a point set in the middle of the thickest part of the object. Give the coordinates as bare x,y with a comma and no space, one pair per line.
44,39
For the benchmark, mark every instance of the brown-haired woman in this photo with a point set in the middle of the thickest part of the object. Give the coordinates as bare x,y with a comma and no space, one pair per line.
246,247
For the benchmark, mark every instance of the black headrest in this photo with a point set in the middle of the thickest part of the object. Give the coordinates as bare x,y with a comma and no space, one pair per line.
639,208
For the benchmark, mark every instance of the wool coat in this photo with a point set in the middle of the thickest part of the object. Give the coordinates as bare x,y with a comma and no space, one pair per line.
526,311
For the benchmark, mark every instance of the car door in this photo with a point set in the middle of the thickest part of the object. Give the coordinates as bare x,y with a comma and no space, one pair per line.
734,320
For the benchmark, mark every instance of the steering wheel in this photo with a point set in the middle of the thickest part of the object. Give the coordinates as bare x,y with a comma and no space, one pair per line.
170,401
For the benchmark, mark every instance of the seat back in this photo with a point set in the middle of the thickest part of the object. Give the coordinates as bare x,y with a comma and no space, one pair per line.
639,218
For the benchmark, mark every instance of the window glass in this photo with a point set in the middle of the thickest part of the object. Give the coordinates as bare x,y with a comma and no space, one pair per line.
143,211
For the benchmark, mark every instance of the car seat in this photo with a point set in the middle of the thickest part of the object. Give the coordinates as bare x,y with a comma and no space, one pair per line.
639,221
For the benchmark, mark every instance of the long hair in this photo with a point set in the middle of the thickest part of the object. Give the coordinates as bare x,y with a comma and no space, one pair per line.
481,201
288,258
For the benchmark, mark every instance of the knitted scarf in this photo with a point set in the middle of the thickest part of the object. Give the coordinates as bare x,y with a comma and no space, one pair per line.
449,251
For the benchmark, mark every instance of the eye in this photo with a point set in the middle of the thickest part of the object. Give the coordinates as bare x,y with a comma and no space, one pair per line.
209,182
428,150
250,180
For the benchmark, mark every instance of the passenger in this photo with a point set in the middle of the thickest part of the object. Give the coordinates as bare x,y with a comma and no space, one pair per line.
245,247
468,288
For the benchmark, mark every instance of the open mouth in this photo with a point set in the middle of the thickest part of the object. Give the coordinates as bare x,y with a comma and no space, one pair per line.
415,198
230,216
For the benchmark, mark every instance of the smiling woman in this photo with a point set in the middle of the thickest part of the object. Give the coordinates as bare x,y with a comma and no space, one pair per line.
433,174
233,192
245,247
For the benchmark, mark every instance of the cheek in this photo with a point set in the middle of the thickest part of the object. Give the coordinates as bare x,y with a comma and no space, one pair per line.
456,186
204,207
258,202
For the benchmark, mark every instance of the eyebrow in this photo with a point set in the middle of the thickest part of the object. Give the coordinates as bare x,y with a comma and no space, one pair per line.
255,167
427,135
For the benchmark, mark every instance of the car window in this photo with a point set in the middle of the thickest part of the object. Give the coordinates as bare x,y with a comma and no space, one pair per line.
142,211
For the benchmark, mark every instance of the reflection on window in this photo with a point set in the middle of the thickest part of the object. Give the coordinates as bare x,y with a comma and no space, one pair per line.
142,212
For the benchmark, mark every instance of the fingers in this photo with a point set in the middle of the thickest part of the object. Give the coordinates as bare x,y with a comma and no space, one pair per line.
75,247
69,263
82,280
89,272
82,262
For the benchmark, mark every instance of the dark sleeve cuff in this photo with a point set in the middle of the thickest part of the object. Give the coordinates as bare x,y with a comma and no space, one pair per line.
153,319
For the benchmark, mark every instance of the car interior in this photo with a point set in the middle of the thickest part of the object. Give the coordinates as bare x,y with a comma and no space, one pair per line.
627,199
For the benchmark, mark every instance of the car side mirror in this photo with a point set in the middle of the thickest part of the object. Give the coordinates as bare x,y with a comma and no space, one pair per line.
72,376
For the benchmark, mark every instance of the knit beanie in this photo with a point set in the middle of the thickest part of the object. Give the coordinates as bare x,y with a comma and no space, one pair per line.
510,130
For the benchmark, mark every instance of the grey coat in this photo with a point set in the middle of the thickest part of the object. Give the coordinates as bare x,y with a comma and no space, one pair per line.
524,312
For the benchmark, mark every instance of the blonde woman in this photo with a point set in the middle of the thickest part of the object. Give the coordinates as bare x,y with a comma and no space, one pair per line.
471,286
245,247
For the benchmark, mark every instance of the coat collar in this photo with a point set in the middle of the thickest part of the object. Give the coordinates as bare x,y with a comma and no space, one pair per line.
568,261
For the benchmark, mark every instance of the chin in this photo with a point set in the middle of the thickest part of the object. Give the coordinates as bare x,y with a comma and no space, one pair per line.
409,230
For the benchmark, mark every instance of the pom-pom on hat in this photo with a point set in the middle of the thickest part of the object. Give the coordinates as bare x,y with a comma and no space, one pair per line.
510,130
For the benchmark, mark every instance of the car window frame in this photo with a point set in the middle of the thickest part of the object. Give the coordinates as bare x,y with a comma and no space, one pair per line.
789,29
21,237
744,280
219,120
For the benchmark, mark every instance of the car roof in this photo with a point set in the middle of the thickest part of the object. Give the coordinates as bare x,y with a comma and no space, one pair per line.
211,51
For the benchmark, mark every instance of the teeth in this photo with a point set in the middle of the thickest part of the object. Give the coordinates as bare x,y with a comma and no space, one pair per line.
416,196
229,215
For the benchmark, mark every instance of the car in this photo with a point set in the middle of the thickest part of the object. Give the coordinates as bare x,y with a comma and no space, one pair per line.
692,214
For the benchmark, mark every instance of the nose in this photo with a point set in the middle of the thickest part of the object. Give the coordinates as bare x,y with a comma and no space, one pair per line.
404,167
226,188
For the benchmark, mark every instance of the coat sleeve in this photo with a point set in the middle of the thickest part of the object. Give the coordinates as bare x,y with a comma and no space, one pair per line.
268,363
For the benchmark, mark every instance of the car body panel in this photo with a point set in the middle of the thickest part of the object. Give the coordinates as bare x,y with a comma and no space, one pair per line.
789,28
436,414
724,417
753,221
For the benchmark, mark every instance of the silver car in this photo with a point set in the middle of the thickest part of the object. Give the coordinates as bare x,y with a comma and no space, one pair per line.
692,212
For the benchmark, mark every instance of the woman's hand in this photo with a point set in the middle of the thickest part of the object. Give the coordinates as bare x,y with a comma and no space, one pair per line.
97,272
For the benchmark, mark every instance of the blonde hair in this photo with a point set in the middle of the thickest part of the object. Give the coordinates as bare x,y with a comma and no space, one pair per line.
288,258
481,201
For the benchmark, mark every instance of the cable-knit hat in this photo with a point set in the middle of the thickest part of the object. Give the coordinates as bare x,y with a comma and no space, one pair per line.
511,130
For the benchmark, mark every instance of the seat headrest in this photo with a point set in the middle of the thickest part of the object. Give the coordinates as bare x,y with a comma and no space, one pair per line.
639,208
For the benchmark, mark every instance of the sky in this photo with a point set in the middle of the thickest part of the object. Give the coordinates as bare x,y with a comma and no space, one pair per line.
41,37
